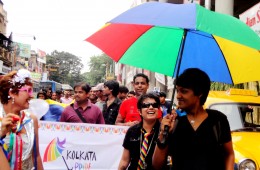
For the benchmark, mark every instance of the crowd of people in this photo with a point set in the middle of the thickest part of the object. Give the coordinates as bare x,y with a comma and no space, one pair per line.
190,141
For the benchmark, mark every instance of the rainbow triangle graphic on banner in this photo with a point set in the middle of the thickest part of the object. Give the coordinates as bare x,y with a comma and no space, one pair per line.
54,150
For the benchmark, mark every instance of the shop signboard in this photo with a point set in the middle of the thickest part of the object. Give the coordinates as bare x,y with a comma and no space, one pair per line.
252,18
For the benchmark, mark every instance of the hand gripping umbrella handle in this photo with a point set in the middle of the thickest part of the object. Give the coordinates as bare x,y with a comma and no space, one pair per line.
165,134
166,131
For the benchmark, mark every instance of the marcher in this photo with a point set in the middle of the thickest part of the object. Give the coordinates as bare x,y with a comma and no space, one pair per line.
165,106
66,98
93,95
19,127
48,93
123,90
4,165
112,104
54,96
101,98
82,110
140,139
130,94
41,95
128,112
201,139
58,95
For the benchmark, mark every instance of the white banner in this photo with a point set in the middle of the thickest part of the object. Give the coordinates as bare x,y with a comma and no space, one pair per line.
79,146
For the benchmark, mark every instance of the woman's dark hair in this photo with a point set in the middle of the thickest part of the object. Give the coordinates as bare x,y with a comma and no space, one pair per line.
141,75
43,93
112,85
84,86
196,80
145,96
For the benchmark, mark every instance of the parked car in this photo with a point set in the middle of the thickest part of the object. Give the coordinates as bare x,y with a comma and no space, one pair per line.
242,108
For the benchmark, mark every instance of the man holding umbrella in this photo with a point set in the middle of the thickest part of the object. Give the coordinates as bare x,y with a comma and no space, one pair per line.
199,139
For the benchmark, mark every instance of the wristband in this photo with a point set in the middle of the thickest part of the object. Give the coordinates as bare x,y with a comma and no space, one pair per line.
1,142
2,137
160,144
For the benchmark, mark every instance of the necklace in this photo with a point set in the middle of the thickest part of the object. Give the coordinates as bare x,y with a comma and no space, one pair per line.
141,141
192,122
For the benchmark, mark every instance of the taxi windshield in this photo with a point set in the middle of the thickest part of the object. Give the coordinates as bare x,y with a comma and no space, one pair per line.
239,115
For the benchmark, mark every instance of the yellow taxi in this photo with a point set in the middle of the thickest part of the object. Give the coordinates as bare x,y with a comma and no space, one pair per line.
242,108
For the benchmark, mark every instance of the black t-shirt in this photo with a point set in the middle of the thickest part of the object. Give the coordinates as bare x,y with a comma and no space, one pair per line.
200,149
132,143
110,113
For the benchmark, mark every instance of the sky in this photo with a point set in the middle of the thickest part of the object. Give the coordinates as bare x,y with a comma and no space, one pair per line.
61,25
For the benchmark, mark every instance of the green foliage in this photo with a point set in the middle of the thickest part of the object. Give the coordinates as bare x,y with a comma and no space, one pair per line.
223,87
97,69
67,66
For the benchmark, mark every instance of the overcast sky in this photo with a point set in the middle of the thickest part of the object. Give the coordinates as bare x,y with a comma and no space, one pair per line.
61,24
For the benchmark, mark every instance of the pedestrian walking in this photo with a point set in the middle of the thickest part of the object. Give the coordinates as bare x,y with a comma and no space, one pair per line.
82,110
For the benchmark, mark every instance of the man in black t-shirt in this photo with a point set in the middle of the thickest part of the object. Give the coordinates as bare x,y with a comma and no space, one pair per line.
199,139
112,104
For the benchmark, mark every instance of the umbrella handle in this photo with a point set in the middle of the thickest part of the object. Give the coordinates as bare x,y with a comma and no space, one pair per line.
165,134
166,131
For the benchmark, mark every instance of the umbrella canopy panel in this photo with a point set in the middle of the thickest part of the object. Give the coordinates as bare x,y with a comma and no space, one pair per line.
151,35
190,16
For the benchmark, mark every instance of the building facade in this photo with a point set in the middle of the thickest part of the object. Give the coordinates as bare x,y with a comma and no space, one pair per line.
6,58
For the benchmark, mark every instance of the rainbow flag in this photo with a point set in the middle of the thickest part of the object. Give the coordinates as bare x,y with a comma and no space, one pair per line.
54,111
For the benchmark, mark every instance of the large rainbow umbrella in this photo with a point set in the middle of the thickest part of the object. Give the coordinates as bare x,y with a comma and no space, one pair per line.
168,38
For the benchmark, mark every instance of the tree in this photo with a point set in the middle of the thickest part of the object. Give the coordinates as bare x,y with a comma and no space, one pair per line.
223,87
97,66
64,67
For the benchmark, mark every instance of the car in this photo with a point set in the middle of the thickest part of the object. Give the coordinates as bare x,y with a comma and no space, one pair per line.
242,108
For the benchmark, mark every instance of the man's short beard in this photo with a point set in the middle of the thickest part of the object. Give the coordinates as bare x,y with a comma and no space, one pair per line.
82,101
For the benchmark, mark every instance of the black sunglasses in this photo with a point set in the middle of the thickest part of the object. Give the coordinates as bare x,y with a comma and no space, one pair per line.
147,105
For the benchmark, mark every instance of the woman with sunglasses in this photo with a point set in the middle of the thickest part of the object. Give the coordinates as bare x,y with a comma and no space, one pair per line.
19,128
140,139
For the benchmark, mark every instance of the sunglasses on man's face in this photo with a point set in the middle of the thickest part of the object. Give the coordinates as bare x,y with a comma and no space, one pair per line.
147,105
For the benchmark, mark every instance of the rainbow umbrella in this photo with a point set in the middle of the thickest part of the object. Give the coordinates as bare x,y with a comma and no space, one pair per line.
168,38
